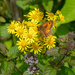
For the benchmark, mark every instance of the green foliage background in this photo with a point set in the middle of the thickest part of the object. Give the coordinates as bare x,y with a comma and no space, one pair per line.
11,59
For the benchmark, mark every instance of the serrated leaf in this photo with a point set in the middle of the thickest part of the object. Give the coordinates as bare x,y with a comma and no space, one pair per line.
2,19
68,10
13,52
65,71
53,52
23,4
3,30
25,73
48,4
49,71
7,68
8,44
3,49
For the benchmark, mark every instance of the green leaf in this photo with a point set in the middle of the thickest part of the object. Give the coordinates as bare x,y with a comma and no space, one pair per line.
71,60
25,73
40,66
60,30
66,64
3,30
49,71
7,68
73,69
13,52
3,49
8,44
65,71
23,4
48,4
2,19
68,10
73,53
53,52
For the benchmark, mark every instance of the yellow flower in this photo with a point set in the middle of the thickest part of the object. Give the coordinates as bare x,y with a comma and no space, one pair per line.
31,35
36,10
23,45
36,48
12,27
20,31
44,49
35,15
40,14
51,16
32,16
61,17
31,24
21,24
54,24
44,20
58,12
50,41
28,24
35,29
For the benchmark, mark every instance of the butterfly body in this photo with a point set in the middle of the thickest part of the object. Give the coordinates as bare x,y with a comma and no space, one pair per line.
45,28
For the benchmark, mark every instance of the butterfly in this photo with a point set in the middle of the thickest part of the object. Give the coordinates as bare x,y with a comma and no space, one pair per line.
45,28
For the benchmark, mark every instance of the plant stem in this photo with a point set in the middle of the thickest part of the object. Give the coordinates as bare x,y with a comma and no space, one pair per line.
62,58
14,39
3,55
18,69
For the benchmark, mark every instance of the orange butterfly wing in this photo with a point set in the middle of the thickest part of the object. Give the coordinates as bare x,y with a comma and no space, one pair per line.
45,28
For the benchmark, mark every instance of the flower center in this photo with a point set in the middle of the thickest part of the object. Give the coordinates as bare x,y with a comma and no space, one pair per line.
34,16
49,41
29,36
51,14
23,43
21,25
12,26
35,46
20,31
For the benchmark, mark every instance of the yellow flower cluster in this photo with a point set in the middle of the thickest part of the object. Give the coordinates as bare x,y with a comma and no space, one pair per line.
30,38
57,17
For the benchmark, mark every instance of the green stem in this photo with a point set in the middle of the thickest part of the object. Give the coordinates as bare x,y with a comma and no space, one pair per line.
14,39
18,69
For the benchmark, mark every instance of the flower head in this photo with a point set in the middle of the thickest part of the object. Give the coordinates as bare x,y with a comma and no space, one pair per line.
12,27
35,15
58,12
51,16
61,17
50,41
23,45
36,48
31,35
20,31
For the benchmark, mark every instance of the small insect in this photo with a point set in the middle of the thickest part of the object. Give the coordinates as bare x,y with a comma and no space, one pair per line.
45,28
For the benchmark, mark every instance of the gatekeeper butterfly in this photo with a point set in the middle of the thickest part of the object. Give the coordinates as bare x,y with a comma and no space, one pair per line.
45,28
